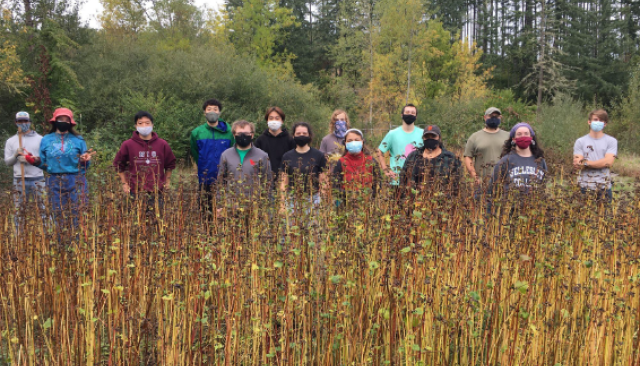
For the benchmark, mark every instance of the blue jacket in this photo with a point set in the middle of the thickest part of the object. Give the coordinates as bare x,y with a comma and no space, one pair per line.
207,145
60,154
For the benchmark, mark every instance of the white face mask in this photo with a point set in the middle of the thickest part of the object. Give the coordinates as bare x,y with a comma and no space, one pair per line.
274,125
145,131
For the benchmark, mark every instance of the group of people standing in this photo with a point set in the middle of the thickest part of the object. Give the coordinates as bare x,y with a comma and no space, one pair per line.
231,159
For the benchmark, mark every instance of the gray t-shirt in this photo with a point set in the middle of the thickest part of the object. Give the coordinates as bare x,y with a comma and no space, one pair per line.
485,148
522,173
595,149
331,144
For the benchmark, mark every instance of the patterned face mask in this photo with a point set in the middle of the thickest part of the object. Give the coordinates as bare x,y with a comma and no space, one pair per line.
341,129
24,126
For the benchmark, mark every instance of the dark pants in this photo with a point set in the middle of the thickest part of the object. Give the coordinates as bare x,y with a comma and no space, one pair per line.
206,197
147,200
600,195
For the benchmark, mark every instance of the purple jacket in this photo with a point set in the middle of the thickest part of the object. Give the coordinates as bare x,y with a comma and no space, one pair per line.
145,162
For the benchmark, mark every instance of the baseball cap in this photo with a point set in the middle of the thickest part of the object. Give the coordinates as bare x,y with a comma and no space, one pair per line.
432,130
22,116
492,110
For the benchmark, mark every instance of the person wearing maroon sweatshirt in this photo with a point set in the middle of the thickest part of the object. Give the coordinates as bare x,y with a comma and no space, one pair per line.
145,162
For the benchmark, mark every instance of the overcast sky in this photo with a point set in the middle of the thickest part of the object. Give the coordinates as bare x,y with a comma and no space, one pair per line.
90,10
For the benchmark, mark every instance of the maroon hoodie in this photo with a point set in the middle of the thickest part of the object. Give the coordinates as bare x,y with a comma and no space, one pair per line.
145,162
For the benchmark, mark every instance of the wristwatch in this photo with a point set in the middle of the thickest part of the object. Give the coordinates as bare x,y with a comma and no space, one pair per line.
584,163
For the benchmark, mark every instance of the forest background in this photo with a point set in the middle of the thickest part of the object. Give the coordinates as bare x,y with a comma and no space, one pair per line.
542,61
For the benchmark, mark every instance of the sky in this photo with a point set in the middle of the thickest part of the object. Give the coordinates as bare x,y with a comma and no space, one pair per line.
90,9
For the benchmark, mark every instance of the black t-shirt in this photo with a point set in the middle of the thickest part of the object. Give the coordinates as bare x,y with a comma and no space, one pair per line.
303,167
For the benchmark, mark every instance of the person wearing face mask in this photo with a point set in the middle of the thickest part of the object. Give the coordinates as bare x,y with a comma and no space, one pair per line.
25,139
208,142
400,142
484,147
302,169
64,156
245,170
593,156
432,167
522,167
333,143
356,172
275,140
145,163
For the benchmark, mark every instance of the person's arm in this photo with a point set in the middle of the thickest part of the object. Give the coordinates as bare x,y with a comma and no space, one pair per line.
323,146
11,154
323,177
337,178
406,178
383,165
194,147
578,155
169,164
120,162
85,155
469,153
284,181
454,177
125,182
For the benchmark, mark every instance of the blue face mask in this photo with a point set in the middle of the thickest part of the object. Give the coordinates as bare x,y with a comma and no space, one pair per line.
597,126
354,147
341,128
24,126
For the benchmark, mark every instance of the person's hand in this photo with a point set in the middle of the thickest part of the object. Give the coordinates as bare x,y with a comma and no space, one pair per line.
86,157
167,183
126,188
477,180
31,159
22,159
391,174
18,152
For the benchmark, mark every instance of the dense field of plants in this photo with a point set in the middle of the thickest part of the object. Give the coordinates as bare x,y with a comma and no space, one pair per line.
546,280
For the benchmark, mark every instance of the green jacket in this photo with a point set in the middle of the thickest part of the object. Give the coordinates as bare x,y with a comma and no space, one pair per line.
207,145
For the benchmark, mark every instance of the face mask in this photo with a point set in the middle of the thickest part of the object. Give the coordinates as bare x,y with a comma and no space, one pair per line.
302,140
212,117
145,131
243,139
409,118
431,144
63,126
24,126
597,126
274,125
524,142
354,147
341,129
493,122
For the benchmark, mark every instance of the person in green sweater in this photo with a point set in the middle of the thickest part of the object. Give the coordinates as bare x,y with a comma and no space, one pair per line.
208,142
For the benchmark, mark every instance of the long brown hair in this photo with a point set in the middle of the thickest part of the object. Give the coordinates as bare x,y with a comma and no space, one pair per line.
334,115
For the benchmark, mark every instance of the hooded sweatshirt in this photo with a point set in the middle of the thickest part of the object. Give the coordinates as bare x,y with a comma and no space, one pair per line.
31,143
275,146
207,145
145,162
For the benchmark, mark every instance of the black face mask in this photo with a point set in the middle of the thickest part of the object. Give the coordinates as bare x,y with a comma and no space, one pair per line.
63,126
409,118
243,139
302,140
493,122
431,144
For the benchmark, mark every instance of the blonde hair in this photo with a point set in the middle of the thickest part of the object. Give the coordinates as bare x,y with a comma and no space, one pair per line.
601,114
334,115
242,123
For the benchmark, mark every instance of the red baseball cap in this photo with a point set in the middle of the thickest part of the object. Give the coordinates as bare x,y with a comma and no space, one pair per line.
63,112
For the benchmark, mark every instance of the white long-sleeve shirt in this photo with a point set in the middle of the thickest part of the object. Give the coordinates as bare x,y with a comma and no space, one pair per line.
31,143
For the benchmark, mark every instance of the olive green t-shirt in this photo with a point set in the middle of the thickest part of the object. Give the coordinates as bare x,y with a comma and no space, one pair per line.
485,148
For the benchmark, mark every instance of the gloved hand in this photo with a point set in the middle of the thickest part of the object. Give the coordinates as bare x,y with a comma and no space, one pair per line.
18,152
30,159
22,159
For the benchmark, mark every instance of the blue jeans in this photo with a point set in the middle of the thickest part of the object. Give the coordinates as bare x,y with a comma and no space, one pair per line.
601,194
31,199
67,193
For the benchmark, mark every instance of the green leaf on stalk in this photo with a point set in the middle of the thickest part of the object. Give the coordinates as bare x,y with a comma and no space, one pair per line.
47,324
521,286
278,264
405,249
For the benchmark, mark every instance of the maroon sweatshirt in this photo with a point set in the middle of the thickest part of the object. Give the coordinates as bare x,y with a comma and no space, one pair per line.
145,162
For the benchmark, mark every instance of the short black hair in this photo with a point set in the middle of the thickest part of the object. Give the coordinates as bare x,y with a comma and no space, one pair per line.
301,124
142,114
409,105
212,101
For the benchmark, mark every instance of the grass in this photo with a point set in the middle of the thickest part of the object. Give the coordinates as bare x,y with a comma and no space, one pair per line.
433,280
